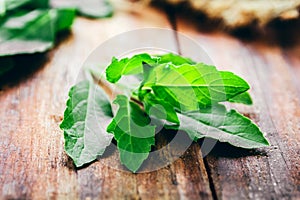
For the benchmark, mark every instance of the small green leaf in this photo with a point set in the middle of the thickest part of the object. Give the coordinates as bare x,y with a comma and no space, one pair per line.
190,87
243,98
174,59
64,18
226,126
133,133
86,117
88,8
127,66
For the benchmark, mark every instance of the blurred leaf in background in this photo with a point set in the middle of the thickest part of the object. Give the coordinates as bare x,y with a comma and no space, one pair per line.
88,8
31,26
29,32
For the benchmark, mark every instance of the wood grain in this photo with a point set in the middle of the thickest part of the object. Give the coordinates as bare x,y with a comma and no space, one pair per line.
273,73
33,162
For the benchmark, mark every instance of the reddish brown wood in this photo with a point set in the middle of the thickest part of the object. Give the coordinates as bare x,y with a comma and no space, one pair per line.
273,73
34,165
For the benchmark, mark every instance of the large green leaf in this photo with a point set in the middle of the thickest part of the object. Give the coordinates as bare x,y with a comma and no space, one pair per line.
133,133
86,117
31,32
190,87
226,126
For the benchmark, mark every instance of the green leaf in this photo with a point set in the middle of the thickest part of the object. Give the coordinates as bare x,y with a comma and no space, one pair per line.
190,87
243,98
39,4
64,18
134,65
133,133
32,32
13,4
127,66
226,126
159,108
26,32
88,8
2,8
86,117
174,59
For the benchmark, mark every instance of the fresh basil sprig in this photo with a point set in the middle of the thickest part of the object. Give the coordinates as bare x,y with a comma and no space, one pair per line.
186,94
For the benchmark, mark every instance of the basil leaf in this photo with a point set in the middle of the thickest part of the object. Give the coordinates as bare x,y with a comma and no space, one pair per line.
13,4
39,4
159,108
134,65
26,32
10,5
64,18
226,126
127,66
190,87
133,133
243,98
87,114
31,32
174,59
88,8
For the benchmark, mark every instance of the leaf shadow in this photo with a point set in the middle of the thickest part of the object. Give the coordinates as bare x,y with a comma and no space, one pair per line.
110,149
24,66
225,150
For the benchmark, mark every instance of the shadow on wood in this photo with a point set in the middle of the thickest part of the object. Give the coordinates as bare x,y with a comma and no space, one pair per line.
228,151
24,66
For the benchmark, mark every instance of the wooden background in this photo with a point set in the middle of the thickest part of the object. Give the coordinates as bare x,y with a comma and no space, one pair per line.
33,164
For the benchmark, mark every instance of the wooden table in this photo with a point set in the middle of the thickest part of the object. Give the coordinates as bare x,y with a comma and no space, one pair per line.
33,164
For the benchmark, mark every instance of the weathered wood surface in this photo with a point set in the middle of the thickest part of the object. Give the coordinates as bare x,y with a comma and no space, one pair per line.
34,165
273,73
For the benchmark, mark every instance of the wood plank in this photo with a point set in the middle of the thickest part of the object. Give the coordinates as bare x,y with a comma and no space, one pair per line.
267,173
33,162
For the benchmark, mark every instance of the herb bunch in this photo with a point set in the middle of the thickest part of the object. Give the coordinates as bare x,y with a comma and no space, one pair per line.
175,90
